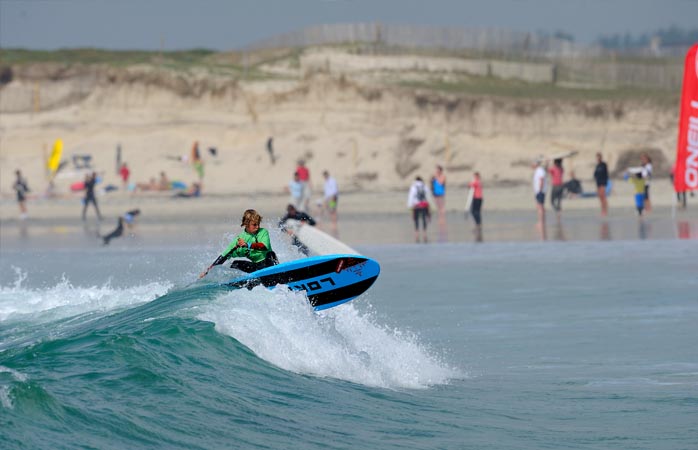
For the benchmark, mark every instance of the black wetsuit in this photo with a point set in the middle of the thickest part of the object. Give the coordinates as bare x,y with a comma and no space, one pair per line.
90,197
118,231
573,187
21,187
300,216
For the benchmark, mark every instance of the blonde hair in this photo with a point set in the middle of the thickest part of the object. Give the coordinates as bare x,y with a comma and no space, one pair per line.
250,216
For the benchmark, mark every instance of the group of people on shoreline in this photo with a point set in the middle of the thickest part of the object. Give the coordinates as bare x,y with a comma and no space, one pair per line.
300,190
419,196
546,178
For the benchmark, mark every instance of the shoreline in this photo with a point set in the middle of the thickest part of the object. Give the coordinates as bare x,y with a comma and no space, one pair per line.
365,219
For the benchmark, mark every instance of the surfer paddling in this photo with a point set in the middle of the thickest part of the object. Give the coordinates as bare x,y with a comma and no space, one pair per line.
253,243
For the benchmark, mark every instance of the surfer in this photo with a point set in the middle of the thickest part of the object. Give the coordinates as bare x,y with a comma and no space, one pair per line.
128,218
253,243
293,213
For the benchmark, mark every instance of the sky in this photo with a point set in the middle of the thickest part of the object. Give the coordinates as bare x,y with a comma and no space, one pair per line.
234,24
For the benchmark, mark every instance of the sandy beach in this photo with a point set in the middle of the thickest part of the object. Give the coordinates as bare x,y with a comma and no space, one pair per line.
374,137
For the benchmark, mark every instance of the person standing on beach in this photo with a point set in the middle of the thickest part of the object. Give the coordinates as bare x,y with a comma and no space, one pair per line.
197,162
21,188
270,150
90,181
540,187
680,196
418,201
295,188
601,178
253,243
646,162
331,198
476,205
438,190
638,181
304,178
124,173
556,176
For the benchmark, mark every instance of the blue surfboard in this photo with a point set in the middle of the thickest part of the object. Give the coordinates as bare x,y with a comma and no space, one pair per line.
328,280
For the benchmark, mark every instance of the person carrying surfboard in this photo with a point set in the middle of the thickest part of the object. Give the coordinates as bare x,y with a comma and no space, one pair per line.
253,243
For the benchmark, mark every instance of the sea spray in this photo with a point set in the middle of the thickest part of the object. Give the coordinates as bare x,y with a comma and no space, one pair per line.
281,328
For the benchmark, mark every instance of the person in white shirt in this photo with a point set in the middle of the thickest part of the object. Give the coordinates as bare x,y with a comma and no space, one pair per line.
331,197
540,187
418,202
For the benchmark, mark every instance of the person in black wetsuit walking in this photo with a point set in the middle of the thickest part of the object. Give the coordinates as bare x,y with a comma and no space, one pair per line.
90,181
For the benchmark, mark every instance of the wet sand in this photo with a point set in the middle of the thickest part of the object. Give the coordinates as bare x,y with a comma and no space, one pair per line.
364,219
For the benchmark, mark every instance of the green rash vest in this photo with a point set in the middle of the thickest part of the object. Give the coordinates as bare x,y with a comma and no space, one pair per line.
255,256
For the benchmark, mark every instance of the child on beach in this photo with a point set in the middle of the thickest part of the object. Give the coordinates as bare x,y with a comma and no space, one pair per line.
638,183
253,243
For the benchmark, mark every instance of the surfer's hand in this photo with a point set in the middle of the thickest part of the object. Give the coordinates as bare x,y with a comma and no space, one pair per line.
241,242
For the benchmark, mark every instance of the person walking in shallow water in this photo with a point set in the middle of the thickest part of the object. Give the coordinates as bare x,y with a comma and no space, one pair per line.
438,190
601,178
646,162
90,181
476,205
417,200
539,188
556,177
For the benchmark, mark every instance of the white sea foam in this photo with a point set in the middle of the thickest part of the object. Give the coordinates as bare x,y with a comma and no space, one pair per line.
15,374
281,328
5,390
65,300
5,399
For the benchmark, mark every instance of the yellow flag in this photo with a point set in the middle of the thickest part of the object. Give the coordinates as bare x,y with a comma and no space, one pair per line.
55,158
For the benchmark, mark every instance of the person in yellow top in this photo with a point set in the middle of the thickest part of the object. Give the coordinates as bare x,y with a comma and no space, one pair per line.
253,243
638,183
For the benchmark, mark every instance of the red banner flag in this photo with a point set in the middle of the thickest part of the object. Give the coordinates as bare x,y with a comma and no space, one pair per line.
686,169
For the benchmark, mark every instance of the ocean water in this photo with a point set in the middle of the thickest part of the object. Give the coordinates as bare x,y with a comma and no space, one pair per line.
528,345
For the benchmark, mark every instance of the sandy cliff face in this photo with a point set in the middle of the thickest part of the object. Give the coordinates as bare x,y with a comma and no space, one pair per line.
369,136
